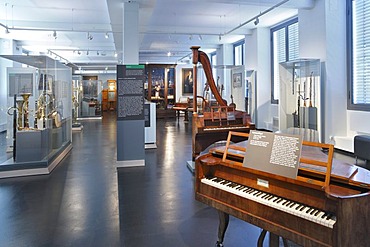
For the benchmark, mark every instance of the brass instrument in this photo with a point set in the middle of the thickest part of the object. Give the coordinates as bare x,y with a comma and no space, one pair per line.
46,110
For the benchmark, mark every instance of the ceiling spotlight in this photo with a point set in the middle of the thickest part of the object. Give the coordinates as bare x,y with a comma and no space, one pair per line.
55,34
115,54
97,53
190,37
256,21
87,52
106,35
200,37
219,37
89,36
79,52
168,54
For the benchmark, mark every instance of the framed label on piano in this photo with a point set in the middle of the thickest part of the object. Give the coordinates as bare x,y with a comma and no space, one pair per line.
273,153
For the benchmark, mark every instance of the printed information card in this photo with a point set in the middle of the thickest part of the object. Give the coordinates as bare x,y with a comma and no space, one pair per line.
130,91
273,153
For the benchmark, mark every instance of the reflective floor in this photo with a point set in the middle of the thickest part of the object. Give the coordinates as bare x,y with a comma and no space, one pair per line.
87,202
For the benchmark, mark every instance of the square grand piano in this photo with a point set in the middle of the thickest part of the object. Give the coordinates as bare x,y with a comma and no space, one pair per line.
328,204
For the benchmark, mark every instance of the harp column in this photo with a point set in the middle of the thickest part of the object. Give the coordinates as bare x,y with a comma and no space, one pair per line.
195,50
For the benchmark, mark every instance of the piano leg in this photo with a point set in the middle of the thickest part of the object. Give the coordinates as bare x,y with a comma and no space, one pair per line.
274,240
261,238
224,222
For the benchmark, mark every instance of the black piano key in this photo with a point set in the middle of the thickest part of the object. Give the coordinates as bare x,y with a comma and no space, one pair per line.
265,196
272,196
277,200
311,210
317,213
280,199
329,216
232,185
286,202
289,203
248,190
256,192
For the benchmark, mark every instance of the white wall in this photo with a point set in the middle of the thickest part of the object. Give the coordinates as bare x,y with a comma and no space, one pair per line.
7,47
323,35
257,57
105,77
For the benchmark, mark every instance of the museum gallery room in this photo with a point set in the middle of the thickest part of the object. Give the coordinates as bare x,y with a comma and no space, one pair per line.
184,123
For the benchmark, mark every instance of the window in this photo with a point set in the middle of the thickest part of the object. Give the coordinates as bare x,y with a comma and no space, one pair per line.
358,43
284,47
239,53
213,59
213,64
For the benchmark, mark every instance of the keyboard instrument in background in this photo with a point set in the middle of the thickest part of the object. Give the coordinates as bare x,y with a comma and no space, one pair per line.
215,120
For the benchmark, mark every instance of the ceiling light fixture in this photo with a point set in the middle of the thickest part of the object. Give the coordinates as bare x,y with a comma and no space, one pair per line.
87,52
168,54
97,53
79,52
200,37
115,54
256,21
106,35
219,37
55,34
89,36
257,16
190,37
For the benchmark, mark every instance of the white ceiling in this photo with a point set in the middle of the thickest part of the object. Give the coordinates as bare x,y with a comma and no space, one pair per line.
164,26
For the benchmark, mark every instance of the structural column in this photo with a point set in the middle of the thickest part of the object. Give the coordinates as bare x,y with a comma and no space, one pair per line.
130,82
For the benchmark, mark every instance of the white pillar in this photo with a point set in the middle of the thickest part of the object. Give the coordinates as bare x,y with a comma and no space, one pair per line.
130,53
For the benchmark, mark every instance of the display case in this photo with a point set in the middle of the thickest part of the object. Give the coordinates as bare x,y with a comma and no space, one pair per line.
90,104
300,94
160,88
39,109
76,99
236,84
109,96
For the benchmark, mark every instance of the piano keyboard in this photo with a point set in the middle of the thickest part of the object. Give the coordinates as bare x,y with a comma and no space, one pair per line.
291,207
225,128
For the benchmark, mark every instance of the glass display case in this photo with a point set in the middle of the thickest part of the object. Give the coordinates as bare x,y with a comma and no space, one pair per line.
109,96
160,87
39,115
235,84
90,102
300,90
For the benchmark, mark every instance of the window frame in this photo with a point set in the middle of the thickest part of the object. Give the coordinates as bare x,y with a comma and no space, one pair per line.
284,25
350,52
240,43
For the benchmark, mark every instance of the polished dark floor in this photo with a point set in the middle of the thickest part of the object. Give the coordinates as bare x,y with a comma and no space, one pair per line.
86,201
